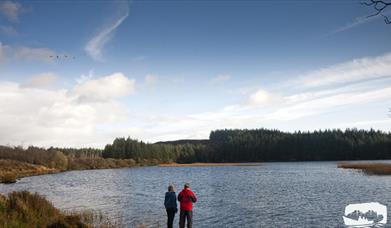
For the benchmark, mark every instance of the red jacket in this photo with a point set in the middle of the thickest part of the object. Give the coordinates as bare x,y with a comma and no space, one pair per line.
186,197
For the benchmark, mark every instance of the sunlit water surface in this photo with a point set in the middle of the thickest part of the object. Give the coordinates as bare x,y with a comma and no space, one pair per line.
294,194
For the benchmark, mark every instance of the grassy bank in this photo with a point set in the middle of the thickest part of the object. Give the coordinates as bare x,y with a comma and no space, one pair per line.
11,170
16,162
199,164
368,168
24,209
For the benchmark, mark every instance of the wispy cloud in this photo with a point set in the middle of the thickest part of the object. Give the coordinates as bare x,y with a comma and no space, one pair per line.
8,52
151,79
2,53
95,46
11,10
28,53
357,22
351,71
219,79
344,86
44,80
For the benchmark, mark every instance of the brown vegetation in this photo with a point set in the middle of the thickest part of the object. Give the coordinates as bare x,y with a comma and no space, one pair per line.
11,170
24,209
369,168
34,155
198,164
16,162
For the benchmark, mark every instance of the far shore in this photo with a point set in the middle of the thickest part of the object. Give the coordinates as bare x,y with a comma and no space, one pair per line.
199,164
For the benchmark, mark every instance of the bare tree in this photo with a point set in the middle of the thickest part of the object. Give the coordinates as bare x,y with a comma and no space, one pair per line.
379,6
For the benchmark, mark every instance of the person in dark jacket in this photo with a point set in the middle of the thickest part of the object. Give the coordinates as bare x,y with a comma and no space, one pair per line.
170,205
186,197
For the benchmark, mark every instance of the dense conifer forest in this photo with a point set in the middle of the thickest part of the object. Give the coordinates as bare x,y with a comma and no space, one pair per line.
261,145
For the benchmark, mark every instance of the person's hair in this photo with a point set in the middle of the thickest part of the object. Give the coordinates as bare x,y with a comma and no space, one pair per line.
187,185
170,188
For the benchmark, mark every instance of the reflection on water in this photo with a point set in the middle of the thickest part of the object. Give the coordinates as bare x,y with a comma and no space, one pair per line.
299,194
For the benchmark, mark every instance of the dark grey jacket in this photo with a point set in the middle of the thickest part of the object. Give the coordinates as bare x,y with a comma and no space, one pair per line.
170,200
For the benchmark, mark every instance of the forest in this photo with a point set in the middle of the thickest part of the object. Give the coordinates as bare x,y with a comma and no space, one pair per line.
275,145
257,145
162,151
228,145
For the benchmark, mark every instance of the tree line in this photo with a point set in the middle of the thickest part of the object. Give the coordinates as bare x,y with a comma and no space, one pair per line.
275,145
163,152
227,145
236,145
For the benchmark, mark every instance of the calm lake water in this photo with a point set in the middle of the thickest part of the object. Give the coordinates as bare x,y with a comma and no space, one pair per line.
294,194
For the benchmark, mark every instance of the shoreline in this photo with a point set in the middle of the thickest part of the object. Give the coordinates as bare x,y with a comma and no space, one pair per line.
12,170
204,164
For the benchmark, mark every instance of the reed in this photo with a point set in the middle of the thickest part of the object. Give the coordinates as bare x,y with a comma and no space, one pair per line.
25,209
11,170
368,168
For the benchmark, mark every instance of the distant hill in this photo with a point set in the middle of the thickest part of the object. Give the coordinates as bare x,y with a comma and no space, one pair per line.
185,141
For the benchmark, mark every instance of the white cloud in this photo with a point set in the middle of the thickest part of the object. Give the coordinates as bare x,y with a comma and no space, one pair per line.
91,114
351,85
42,80
105,88
45,117
85,77
260,97
96,44
11,10
355,70
355,84
219,79
151,79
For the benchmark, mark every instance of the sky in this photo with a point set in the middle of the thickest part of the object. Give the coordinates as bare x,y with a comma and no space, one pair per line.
81,73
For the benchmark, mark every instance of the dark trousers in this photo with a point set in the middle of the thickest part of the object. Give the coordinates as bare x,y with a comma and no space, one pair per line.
170,217
182,219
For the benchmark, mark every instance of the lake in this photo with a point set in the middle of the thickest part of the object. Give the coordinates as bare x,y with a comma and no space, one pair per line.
291,194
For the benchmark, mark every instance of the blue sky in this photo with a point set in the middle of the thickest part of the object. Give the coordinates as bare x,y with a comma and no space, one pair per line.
165,70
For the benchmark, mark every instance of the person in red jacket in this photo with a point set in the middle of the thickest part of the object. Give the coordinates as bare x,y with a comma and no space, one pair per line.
186,198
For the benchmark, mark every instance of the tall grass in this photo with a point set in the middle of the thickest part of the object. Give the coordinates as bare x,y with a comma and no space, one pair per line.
369,168
24,209
11,170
